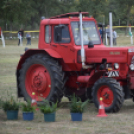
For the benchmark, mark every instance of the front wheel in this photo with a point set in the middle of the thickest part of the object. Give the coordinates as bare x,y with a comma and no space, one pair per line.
111,92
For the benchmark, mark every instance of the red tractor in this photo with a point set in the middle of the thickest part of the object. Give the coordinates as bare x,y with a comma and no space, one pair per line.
71,58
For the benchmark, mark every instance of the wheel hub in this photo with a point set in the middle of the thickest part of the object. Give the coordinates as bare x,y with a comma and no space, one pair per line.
38,80
106,93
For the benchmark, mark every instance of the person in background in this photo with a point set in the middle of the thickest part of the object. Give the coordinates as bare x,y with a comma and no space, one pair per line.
114,37
28,37
20,36
100,30
108,34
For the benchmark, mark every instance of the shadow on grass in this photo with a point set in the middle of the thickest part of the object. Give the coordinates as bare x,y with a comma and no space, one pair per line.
2,116
64,105
127,108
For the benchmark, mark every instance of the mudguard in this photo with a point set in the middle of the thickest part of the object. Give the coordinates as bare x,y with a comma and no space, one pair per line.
31,52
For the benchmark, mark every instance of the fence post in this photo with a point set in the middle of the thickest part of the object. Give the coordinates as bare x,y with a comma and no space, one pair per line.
131,35
111,31
2,38
21,43
106,39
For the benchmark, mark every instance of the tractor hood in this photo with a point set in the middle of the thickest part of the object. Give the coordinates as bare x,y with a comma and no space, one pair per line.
112,54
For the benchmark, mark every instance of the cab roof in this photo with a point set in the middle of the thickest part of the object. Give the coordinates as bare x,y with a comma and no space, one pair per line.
67,18
67,15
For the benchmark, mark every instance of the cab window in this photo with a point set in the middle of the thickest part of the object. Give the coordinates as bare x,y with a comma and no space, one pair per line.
61,34
90,33
47,33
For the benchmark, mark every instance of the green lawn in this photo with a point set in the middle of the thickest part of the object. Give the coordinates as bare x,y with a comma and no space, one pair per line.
116,123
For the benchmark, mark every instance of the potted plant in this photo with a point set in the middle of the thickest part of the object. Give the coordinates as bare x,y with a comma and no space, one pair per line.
77,108
11,107
28,111
49,110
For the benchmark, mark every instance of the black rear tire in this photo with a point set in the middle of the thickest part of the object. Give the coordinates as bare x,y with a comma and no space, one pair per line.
53,69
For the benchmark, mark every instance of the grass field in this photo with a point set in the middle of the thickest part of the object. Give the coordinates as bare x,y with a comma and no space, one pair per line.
116,123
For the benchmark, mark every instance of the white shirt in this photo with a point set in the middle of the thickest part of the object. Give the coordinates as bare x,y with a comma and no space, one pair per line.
114,34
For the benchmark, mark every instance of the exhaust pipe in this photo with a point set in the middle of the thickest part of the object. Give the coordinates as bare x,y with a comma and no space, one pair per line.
84,66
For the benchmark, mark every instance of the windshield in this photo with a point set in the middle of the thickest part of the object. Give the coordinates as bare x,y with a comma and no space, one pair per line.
89,33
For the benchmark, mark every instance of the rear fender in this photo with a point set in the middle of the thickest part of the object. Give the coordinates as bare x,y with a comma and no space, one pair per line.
31,52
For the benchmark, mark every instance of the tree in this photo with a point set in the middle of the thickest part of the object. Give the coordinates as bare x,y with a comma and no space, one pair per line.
17,11
29,12
96,8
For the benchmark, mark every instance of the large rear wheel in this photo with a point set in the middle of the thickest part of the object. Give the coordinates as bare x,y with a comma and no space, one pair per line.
111,92
43,75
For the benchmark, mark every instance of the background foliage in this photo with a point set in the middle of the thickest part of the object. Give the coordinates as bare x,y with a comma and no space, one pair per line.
26,14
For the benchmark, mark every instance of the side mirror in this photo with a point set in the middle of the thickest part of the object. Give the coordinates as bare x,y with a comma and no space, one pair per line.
90,44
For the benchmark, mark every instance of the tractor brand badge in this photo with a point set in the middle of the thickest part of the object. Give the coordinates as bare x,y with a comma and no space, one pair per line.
113,74
114,53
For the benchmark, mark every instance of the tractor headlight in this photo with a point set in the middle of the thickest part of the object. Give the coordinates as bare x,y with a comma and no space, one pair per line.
131,67
131,50
116,65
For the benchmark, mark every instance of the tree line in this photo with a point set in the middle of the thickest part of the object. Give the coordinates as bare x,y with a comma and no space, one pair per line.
26,14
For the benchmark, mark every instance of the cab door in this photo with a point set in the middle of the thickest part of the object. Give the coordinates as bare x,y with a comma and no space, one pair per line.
63,43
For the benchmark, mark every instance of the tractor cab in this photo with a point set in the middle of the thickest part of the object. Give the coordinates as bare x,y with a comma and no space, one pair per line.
67,36
65,29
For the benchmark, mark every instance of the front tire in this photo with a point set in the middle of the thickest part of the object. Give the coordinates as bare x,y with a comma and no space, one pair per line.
43,75
111,92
